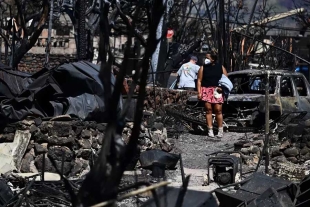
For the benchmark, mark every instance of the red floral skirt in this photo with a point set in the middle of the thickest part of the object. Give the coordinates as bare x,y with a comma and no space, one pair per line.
207,95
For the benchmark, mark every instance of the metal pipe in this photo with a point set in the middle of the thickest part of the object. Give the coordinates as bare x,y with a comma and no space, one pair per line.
50,27
267,122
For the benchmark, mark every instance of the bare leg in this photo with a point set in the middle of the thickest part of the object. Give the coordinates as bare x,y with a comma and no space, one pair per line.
218,114
208,107
219,119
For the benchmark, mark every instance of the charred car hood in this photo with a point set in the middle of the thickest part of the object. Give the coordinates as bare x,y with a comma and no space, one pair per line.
251,98
246,97
243,98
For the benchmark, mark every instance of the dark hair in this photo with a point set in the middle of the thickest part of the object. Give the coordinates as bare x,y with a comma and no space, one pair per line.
213,56
194,58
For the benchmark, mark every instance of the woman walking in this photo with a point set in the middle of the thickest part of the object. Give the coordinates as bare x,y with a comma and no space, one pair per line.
208,91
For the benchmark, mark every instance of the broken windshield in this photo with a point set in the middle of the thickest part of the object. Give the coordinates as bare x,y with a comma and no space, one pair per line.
251,84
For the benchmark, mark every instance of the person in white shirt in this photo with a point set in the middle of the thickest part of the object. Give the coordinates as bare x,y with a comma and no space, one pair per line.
187,74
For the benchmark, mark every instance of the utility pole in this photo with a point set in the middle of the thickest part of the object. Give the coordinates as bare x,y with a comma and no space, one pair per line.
157,59
160,55
50,27
227,39
266,153
82,41
222,46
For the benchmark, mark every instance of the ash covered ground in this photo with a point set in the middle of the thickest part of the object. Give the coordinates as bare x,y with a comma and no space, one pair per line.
194,147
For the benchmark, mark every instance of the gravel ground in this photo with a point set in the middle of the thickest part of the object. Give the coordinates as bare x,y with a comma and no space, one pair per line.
195,147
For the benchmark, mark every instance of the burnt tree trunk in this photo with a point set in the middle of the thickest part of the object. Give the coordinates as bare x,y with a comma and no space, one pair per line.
26,43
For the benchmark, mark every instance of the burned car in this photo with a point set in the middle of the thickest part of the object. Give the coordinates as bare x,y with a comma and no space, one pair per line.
245,107
289,92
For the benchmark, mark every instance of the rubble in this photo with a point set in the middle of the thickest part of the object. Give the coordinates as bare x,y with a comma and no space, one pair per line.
11,152
32,63
165,96
250,151
289,151
74,142
293,144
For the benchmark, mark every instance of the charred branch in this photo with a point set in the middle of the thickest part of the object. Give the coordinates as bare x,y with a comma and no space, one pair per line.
270,45
6,39
21,16
128,24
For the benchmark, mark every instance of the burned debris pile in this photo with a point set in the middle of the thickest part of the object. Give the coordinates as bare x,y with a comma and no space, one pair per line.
250,151
259,190
73,145
157,97
31,191
289,151
293,143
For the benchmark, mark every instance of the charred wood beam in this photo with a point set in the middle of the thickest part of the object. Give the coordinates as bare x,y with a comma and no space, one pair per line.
21,16
157,8
50,24
128,24
251,16
40,25
32,16
94,186
278,48
182,192
5,38
210,19
201,22
27,44
184,20
13,48
32,28
179,57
